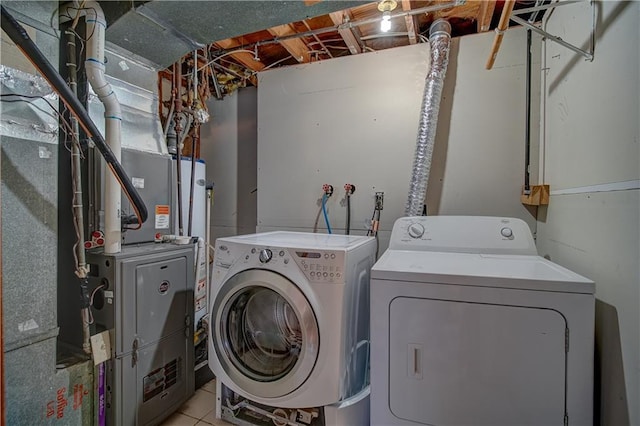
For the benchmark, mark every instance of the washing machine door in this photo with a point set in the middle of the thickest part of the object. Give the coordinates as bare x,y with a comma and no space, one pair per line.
265,333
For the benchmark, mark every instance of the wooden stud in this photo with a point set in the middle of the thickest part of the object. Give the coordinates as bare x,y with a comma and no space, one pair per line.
502,27
411,27
246,59
350,38
485,14
539,196
295,46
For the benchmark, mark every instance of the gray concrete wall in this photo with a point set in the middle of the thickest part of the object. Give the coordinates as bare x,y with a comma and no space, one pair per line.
229,147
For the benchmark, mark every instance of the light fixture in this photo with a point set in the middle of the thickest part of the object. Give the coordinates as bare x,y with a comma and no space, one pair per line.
386,6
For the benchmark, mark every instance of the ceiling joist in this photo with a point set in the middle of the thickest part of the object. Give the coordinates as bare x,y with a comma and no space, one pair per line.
295,46
411,27
485,14
350,38
246,59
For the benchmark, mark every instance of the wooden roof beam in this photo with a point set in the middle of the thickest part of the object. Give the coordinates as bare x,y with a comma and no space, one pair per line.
485,14
411,27
350,38
245,58
295,46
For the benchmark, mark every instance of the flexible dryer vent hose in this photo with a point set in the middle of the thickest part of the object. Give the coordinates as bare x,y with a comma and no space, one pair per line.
439,41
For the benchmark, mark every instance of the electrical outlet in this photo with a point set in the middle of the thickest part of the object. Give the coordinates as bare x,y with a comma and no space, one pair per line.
379,200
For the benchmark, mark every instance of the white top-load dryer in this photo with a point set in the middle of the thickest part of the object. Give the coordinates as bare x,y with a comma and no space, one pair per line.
469,326
289,324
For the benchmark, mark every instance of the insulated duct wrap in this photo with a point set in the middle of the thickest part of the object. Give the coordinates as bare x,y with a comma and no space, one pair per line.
439,40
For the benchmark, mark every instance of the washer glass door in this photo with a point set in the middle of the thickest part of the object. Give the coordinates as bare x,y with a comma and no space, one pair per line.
266,335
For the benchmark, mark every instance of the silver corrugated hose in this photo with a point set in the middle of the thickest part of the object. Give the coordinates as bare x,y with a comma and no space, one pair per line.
439,40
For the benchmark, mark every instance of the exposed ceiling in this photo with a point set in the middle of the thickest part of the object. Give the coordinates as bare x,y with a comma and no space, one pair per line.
234,40
164,31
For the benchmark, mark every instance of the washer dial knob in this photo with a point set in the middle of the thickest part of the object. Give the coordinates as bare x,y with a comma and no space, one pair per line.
416,230
265,255
506,232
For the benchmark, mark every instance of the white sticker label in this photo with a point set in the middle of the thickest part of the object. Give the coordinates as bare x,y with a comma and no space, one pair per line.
43,152
137,182
27,325
108,293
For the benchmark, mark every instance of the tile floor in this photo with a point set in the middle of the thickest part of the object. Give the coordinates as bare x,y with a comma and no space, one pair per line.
199,410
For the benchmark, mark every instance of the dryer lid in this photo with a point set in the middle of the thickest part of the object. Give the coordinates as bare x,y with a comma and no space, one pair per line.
484,270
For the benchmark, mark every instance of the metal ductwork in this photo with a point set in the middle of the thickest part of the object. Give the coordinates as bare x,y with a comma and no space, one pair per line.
439,41
163,31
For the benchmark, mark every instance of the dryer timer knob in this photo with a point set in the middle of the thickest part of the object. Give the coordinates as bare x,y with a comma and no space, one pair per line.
265,255
416,230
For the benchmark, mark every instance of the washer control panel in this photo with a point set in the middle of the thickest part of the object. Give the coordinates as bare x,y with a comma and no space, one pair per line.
463,234
317,265
320,265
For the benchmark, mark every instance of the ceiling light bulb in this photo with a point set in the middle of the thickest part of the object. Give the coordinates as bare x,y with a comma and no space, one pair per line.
385,24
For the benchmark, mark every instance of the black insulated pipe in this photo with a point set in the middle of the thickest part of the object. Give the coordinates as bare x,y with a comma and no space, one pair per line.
19,36
527,148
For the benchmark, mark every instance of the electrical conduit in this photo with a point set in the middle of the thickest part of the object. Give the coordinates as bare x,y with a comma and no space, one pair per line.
439,41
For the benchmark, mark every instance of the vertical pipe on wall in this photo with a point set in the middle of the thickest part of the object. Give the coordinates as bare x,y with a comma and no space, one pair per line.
194,142
527,149
95,69
177,86
439,41
76,182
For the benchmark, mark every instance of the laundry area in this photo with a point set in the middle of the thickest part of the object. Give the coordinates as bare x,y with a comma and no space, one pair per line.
320,213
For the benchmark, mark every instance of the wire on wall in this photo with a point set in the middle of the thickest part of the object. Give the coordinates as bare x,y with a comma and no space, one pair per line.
349,190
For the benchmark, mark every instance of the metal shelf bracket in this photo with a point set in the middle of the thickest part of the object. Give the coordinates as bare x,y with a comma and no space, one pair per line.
588,55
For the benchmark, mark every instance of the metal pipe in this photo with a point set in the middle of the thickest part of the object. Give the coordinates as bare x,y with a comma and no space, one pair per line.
195,79
19,36
539,7
194,141
439,40
177,81
518,20
209,189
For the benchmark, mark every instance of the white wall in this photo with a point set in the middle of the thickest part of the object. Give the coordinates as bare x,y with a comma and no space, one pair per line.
591,132
355,119
228,146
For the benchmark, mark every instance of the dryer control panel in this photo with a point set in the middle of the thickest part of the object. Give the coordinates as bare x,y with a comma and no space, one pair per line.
463,234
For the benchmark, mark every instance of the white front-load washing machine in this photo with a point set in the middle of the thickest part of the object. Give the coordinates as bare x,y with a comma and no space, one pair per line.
469,326
289,317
